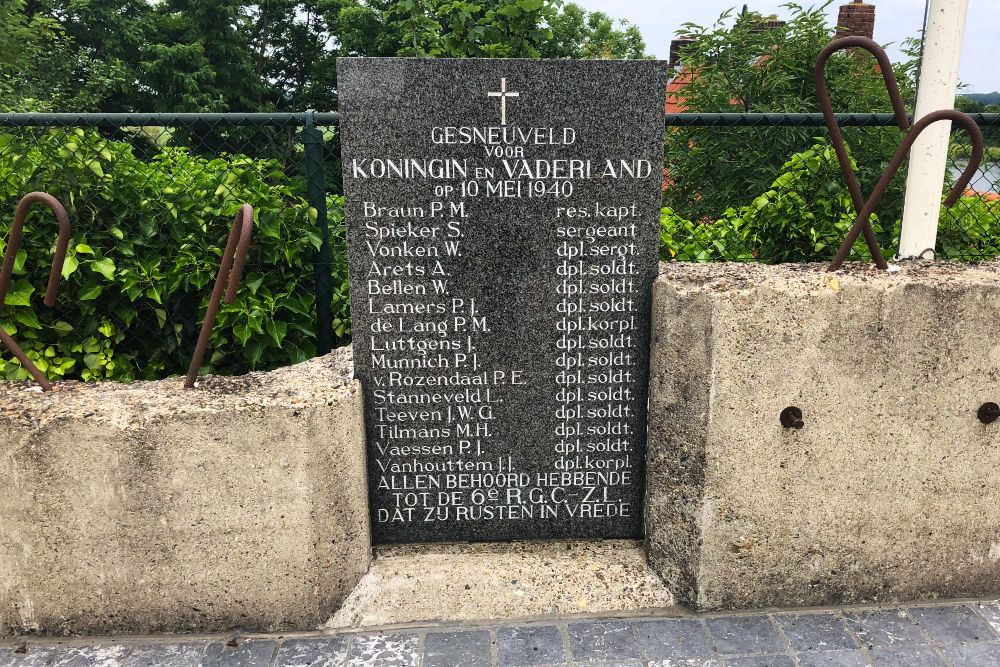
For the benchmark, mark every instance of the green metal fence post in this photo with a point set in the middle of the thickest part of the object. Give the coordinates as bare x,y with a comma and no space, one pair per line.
312,139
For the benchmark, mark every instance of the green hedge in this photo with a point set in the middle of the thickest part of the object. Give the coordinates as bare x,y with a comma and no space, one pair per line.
147,240
805,215
148,235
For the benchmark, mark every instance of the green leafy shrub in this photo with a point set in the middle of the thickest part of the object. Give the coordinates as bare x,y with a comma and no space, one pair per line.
802,217
147,241
148,236
688,241
806,213
970,230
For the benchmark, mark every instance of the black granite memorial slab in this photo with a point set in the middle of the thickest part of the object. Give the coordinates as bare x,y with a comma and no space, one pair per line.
502,220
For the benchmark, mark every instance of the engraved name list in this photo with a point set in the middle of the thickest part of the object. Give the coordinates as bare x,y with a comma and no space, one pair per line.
502,224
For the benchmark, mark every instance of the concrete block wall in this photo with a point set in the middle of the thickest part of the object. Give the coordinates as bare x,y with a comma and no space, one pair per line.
147,507
890,489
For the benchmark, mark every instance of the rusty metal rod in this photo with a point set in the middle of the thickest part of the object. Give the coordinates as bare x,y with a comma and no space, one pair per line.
52,288
897,159
14,244
28,364
234,258
819,78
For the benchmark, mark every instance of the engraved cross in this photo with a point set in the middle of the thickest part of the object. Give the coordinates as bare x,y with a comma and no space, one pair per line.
503,94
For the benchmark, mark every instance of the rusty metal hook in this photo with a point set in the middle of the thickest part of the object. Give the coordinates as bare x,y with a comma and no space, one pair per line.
819,78
864,209
897,159
52,288
234,258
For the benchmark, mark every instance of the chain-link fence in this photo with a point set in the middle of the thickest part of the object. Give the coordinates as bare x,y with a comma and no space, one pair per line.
768,187
151,198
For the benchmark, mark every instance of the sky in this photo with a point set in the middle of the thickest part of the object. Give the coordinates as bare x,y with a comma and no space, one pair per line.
658,20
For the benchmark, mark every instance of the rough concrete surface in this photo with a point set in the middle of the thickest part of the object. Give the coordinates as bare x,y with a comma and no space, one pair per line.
460,582
890,490
145,507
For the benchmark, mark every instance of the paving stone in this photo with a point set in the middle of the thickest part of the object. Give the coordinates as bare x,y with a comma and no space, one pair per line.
760,661
91,656
884,628
815,632
450,649
384,650
252,653
952,625
991,612
312,652
674,638
913,656
601,640
820,639
34,656
530,645
973,655
186,654
744,634
833,659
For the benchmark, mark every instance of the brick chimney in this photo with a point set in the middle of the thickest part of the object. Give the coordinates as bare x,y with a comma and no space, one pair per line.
856,19
769,23
675,50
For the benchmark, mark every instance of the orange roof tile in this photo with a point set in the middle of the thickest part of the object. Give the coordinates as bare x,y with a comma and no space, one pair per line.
675,100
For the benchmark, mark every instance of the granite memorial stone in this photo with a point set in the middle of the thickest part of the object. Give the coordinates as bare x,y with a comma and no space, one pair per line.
502,221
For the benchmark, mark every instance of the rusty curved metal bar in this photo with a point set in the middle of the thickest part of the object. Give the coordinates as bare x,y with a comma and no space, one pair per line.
819,77
52,288
862,221
234,258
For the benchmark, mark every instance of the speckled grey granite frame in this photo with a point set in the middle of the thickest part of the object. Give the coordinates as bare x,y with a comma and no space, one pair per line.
509,260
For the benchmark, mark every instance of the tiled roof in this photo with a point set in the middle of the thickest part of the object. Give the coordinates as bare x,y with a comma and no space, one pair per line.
675,101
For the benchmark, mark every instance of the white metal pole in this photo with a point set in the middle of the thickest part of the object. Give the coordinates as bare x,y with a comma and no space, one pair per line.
942,49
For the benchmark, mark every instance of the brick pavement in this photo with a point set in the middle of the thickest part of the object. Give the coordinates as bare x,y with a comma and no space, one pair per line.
956,634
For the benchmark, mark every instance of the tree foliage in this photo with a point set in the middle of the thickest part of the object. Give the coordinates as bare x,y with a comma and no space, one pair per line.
578,34
740,65
991,135
40,68
275,55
